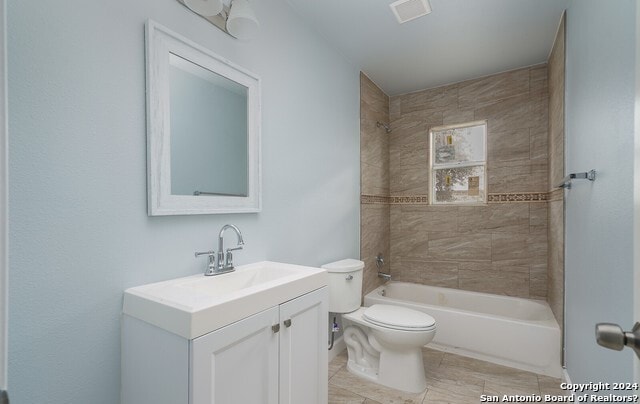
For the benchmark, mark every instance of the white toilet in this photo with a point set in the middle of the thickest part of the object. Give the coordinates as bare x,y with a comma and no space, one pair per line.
384,342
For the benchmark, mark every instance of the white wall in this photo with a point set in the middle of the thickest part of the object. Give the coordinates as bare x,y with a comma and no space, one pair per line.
4,212
600,96
79,230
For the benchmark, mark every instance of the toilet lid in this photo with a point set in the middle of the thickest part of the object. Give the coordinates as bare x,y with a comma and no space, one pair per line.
399,318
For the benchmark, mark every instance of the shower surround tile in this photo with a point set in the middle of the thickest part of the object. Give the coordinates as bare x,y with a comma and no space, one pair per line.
509,145
556,80
434,273
500,247
375,232
374,180
459,247
435,100
487,90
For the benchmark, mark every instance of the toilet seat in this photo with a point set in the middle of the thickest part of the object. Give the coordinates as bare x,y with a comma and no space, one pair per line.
398,318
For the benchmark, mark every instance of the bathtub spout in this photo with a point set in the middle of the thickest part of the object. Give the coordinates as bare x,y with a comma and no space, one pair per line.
386,277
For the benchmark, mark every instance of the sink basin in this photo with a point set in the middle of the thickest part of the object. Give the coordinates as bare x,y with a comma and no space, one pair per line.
198,304
242,278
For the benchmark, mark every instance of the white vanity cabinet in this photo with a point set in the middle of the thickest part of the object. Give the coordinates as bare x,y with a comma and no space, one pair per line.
278,355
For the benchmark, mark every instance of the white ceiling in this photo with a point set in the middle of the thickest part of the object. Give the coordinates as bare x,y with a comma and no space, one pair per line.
459,40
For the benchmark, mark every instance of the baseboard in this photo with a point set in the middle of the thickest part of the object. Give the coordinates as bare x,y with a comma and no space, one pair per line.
338,346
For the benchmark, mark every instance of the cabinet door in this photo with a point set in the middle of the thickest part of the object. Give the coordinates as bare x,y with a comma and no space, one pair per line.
303,349
237,364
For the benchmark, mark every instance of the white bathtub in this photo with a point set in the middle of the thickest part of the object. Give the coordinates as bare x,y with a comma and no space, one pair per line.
511,331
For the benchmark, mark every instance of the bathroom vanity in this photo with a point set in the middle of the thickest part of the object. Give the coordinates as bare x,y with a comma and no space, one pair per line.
256,335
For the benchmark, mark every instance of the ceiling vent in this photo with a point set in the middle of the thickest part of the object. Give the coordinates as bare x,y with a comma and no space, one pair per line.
407,10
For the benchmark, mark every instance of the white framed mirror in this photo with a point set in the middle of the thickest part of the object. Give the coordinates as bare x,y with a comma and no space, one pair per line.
203,129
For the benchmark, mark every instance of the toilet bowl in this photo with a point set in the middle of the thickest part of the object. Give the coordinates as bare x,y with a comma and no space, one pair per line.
384,342
394,336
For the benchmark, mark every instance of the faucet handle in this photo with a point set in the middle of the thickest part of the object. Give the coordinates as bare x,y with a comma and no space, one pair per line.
209,253
211,268
228,259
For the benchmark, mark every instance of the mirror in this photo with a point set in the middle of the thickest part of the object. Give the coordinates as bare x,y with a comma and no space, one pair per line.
203,130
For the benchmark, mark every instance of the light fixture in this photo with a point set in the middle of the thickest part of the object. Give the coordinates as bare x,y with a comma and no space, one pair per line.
206,8
407,10
242,22
236,19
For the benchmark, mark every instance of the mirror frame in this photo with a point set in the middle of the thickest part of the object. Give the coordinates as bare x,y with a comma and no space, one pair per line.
160,41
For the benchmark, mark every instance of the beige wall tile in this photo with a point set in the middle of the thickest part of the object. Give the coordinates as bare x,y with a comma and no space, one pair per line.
497,282
475,265
453,245
512,246
517,176
538,281
425,218
497,218
538,143
408,181
432,273
538,218
457,116
394,108
538,81
508,114
372,95
409,244
374,238
483,91
459,247
556,259
404,272
508,145
435,99
556,82
374,179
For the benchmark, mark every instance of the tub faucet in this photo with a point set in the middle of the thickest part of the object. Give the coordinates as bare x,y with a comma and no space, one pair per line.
225,261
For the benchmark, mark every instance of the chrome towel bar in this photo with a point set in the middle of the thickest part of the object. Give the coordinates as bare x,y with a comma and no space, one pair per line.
566,181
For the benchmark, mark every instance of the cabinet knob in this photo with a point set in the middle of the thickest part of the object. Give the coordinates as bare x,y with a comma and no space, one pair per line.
287,323
275,328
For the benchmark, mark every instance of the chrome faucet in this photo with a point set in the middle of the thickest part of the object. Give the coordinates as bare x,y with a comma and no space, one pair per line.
224,261
211,268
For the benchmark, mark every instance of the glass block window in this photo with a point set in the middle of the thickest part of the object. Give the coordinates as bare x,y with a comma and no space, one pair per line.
459,163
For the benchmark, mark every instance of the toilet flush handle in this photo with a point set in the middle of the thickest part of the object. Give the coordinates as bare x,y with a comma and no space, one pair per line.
349,277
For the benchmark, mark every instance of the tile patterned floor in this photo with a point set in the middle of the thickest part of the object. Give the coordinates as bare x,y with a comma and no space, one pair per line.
450,379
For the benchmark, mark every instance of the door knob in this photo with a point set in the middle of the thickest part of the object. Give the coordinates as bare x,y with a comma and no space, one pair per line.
611,336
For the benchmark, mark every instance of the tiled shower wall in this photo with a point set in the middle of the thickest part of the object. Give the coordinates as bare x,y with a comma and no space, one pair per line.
496,248
374,180
556,173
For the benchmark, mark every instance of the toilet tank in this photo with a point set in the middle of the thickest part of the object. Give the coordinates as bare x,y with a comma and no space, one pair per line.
345,285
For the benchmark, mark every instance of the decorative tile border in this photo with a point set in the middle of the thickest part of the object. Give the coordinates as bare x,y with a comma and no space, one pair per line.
409,200
374,199
518,197
521,197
